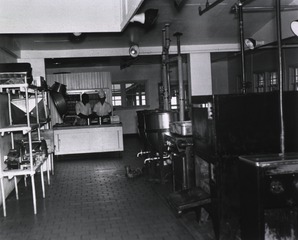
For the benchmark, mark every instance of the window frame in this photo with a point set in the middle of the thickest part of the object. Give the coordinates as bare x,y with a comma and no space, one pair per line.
124,104
293,78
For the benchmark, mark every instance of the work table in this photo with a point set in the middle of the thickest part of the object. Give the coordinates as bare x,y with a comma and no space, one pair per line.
70,139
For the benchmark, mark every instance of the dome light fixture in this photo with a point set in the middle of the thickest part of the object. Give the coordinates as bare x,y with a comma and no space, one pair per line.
134,50
252,43
77,34
76,37
294,27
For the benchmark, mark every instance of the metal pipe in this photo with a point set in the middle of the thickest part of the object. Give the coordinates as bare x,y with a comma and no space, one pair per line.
165,83
164,72
156,158
168,43
143,153
268,9
168,40
243,70
280,72
180,78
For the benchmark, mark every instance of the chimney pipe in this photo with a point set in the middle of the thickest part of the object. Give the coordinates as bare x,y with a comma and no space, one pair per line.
180,78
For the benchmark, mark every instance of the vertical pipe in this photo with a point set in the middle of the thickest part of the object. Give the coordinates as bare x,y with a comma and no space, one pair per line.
180,78
243,71
280,72
165,83
168,41
164,72
37,113
10,117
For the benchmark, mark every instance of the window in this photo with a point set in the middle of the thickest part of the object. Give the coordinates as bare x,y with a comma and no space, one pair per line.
259,79
273,81
293,78
116,95
129,94
175,96
174,99
266,81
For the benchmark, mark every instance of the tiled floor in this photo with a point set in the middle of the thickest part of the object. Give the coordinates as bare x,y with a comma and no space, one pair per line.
91,198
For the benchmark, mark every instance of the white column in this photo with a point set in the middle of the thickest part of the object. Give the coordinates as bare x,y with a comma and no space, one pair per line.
200,74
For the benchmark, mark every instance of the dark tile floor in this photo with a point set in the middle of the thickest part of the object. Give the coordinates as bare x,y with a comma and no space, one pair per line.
91,198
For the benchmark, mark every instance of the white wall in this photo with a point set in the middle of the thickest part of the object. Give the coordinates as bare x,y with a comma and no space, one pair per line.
37,64
200,74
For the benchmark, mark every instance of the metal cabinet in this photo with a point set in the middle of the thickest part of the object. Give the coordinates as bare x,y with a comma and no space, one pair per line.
269,196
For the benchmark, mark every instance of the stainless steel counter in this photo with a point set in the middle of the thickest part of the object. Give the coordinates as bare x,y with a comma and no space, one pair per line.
88,139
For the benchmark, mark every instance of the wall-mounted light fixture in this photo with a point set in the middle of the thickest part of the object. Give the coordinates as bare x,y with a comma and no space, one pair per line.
147,18
252,43
77,37
294,27
134,50
77,34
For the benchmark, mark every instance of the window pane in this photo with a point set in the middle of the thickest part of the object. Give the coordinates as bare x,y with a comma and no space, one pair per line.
116,95
116,100
129,94
116,89
273,78
296,75
135,92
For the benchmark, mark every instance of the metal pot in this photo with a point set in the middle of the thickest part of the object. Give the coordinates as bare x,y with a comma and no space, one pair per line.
59,88
59,102
157,123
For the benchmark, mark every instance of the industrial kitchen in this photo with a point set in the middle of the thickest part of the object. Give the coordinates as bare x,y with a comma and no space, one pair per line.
173,119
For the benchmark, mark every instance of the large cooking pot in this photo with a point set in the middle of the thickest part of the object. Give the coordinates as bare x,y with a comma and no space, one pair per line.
59,102
58,88
157,123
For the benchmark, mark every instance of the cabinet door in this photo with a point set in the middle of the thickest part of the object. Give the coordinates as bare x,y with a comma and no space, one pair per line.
107,139
88,140
71,141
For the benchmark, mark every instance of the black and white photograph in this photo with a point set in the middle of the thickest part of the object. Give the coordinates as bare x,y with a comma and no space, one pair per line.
149,120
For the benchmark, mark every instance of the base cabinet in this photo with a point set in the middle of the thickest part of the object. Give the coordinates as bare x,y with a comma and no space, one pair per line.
88,139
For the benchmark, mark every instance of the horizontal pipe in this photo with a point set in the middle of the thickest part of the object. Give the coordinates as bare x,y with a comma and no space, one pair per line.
264,9
156,158
142,153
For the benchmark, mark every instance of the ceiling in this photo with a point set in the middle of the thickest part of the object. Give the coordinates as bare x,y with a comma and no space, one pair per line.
218,25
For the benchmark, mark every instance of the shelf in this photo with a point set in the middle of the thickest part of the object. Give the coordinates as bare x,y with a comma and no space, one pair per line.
21,87
10,173
16,83
14,86
19,128
22,127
